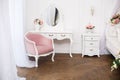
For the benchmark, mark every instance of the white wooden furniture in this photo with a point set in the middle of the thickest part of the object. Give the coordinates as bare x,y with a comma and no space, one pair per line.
54,25
59,36
90,44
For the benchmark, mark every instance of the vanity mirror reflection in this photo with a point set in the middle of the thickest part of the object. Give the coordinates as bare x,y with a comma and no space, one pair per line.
52,16
53,19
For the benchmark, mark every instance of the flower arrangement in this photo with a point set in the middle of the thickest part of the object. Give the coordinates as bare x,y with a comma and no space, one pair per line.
38,21
115,19
115,64
37,24
90,26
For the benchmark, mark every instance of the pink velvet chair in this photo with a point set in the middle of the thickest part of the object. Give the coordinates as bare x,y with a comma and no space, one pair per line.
38,45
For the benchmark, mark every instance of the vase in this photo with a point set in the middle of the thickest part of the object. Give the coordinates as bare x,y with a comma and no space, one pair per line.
37,27
90,30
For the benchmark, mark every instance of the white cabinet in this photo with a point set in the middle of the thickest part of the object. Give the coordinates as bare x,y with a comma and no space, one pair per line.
90,44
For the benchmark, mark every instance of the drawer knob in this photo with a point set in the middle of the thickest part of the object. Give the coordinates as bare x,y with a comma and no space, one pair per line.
91,49
63,35
91,43
92,38
50,34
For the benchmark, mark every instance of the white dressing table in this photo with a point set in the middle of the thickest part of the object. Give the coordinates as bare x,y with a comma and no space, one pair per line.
60,36
53,26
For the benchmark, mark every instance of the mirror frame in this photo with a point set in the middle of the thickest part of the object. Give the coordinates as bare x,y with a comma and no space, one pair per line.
60,24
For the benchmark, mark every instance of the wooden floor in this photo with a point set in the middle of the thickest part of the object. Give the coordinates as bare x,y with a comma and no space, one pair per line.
76,68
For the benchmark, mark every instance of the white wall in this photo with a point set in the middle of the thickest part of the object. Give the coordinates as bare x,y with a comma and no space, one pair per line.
76,17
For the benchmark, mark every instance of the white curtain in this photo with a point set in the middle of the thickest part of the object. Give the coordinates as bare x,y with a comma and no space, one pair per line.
116,7
17,22
7,63
110,8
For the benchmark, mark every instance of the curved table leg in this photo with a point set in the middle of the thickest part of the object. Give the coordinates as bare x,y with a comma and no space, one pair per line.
53,56
53,50
70,47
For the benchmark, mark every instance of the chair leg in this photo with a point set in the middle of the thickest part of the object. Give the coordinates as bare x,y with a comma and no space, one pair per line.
53,56
36,61
53,51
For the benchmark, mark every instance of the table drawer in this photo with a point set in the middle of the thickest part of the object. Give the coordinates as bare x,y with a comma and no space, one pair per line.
50,35
91,38
63,36
91,51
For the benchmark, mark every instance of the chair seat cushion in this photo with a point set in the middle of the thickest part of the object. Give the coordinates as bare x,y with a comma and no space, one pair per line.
43,49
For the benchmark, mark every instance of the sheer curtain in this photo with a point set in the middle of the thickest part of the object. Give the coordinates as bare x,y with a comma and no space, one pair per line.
9,24
116,7
110,8
7,64
17,31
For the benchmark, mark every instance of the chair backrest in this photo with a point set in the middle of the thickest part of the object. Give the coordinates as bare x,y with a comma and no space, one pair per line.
32,40
38,39
30,45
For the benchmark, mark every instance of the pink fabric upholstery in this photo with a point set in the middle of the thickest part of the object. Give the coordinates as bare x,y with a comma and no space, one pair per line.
42,44
30,47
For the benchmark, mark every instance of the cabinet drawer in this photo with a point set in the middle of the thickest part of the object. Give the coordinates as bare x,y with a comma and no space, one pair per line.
91,38
89,51
91,43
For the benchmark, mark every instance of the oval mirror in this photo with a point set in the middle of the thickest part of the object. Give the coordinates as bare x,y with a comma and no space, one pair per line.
52,16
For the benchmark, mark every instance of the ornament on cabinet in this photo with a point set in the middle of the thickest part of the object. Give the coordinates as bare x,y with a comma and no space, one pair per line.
92,10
